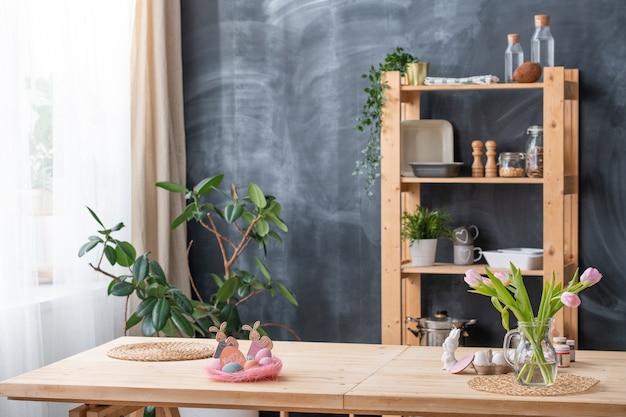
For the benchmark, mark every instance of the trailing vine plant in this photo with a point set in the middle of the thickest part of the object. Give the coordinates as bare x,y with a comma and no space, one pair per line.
371,113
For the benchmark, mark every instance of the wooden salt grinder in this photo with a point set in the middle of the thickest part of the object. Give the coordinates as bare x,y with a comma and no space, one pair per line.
491,169
477,153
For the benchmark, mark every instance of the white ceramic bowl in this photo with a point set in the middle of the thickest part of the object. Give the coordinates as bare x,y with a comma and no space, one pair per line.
522,258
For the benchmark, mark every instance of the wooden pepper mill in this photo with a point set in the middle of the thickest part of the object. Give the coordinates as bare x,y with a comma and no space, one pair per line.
477,153
491,169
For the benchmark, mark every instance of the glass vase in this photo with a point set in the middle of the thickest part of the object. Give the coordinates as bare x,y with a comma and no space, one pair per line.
534,360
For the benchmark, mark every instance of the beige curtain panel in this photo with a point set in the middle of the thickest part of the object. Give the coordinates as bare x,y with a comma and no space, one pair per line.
158,136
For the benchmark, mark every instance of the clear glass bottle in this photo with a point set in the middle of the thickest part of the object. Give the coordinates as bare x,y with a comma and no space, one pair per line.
542,43
513,57
534,151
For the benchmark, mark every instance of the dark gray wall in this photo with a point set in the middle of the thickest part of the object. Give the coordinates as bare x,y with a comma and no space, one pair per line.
272,90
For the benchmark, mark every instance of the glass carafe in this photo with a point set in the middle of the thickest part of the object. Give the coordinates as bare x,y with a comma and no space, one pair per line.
534,360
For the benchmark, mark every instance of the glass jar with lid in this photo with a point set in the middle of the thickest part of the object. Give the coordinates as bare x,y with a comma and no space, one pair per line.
534,151
511,164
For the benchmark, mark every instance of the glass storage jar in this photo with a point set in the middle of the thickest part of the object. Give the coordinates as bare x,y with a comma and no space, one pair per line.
511,164
534,151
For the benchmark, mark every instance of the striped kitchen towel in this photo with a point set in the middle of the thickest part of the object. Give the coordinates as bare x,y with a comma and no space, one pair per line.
476,79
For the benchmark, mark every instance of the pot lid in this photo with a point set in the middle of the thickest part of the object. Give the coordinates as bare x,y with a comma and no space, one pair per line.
442,321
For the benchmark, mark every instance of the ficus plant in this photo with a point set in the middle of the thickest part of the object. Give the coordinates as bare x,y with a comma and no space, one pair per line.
235,224
370,120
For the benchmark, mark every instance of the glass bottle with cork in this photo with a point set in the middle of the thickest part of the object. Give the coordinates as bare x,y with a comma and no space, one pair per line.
513,56
542,43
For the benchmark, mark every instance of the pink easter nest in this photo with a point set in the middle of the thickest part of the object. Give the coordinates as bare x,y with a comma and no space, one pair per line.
269,371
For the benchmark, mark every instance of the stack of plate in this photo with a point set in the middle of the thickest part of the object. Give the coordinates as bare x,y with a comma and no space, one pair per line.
428,149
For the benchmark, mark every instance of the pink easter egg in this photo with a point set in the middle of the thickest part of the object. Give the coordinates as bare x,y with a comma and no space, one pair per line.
266,361
263,353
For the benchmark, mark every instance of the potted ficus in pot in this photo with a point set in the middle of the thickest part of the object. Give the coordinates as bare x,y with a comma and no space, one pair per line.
422,228
235,222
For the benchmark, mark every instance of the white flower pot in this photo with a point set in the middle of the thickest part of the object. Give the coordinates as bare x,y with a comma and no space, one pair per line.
423,252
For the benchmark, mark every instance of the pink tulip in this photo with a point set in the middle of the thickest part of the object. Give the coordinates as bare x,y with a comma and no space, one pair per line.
504,277
473,278
570,299
590,276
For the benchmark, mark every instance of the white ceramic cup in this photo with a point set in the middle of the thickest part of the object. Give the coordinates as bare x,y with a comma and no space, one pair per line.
467,254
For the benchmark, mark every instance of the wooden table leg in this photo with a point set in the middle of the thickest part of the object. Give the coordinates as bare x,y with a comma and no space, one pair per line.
167,412
93,410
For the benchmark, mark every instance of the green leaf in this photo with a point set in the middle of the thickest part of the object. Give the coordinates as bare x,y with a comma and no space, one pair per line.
287,294
86,247
181,300
140,268
132,321
256,196
277,221
145,307
125,253
243,290
208,184
93,214
122,289
110,254
217,279
147,328
227,289
263,268
160,313
182,323
149,411
186,215
262,227
232,212
156,270
172,186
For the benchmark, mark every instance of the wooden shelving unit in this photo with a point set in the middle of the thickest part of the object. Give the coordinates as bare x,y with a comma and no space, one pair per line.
400,282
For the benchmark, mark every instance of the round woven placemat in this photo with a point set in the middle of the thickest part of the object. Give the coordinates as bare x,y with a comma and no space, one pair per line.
565,384
162,351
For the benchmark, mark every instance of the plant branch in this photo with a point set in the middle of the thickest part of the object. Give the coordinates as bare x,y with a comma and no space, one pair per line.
191,281
281,326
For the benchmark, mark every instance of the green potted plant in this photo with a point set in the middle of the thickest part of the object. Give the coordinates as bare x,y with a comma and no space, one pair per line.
422,228
235,223
370,119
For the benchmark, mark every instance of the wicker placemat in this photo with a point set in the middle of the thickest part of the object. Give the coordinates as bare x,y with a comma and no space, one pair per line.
565,384
162,351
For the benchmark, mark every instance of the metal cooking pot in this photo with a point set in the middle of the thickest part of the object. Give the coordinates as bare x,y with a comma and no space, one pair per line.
432,331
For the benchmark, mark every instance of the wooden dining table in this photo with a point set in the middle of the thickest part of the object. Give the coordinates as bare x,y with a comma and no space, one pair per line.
317,377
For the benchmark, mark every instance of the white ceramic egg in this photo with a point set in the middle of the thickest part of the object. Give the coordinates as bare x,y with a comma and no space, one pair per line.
481,359
498,358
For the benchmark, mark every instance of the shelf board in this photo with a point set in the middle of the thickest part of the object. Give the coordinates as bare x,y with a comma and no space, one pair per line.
472,180
440,268
482,87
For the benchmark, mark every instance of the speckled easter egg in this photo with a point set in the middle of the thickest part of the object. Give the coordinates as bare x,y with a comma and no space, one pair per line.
229,368
266,361
263,353
250,364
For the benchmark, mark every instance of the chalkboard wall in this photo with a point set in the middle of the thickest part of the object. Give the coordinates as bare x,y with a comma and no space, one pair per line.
272,90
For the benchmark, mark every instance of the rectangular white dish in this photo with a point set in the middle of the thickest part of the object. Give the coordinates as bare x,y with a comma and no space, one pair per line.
430,140
522,258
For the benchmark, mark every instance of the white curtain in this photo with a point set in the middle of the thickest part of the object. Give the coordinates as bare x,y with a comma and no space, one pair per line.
64,145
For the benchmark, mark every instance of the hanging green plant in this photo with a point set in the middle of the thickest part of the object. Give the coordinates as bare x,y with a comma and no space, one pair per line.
370,119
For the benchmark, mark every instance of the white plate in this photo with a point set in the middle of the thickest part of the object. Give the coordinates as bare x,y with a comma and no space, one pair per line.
429,140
